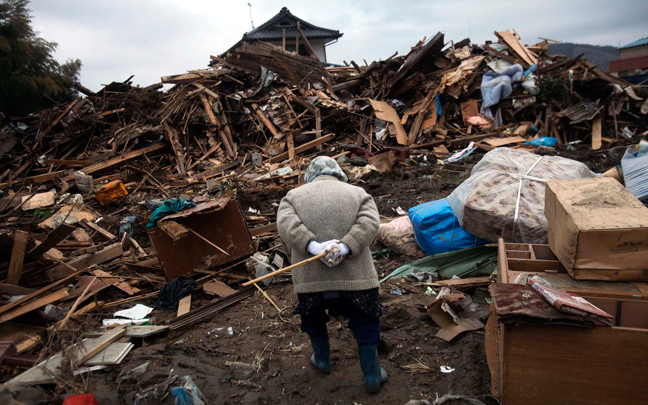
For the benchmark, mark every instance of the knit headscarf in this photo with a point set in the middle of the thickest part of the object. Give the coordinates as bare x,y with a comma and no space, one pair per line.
324,165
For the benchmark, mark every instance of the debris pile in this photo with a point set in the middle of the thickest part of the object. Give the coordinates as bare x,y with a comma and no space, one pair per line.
81,181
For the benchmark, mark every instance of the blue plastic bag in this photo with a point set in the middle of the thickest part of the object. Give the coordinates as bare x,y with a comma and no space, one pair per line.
437,230
544,141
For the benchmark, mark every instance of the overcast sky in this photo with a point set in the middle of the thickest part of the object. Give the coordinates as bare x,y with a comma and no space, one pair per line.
152,38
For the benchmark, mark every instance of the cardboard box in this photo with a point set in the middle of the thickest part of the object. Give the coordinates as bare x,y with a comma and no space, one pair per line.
597,229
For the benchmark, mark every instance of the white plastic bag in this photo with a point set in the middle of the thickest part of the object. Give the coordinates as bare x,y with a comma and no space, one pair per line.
504,196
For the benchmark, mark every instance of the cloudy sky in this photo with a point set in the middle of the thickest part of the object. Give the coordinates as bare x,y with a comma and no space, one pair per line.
151,38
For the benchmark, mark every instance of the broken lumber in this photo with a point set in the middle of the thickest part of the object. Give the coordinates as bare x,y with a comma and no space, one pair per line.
17,257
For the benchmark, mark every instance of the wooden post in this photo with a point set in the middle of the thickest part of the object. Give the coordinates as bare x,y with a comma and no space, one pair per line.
291,145
318,126
307,44
297,40
177,148
17,257
283,38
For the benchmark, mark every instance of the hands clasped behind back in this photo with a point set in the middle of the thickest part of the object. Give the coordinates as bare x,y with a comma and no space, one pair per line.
336,250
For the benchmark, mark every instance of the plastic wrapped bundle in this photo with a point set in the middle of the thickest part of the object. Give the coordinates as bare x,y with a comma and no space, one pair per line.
505,193
635,171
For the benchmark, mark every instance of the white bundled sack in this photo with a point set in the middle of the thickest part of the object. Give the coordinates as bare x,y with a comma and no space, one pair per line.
398,235
505,194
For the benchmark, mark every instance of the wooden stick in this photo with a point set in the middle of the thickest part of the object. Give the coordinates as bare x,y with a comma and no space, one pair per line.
207,240
274,273
267,297
76,303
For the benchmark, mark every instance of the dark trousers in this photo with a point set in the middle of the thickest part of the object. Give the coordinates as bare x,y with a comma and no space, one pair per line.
365,328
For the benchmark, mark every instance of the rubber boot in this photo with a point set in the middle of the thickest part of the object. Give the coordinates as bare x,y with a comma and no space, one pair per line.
374,374
321,353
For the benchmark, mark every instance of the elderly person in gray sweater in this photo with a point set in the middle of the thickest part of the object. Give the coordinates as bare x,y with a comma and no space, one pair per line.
328,215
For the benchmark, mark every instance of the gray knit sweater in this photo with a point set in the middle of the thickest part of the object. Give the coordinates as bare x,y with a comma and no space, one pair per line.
326,209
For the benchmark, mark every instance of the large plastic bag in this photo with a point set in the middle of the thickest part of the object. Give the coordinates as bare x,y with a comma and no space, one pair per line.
437,230
487,203
498,85
635,171
188,393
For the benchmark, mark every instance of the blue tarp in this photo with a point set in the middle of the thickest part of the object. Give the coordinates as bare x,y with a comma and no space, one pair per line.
437,229
170,206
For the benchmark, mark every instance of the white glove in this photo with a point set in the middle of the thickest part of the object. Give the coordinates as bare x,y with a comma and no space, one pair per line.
316,248
338,251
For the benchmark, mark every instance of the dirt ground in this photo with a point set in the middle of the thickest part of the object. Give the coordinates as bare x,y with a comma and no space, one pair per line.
271,355
276,354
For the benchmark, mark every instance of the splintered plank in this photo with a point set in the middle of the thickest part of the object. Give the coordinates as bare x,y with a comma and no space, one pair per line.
266,121
99,229
184,305
17,257
301,148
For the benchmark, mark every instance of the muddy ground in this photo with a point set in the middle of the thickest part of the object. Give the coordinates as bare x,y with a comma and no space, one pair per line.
270,353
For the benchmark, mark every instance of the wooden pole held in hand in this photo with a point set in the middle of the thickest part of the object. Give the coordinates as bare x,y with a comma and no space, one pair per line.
274,273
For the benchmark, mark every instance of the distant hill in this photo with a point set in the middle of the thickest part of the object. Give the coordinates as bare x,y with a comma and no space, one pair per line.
598,55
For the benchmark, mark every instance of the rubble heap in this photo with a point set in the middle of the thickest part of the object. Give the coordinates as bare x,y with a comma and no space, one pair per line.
80,180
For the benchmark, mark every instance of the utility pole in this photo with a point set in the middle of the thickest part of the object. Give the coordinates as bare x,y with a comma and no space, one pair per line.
251,20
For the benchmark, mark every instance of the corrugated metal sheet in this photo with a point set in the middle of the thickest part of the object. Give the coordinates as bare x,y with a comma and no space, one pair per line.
581,112
639,42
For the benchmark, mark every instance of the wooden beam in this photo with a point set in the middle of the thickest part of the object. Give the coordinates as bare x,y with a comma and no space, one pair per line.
63,162
35,304
283,38
307,44
177,148
17,257
291,145
266,121
51,126
215,171
318,126
22,300
52,239
99,229
119,159
212,119
304,147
